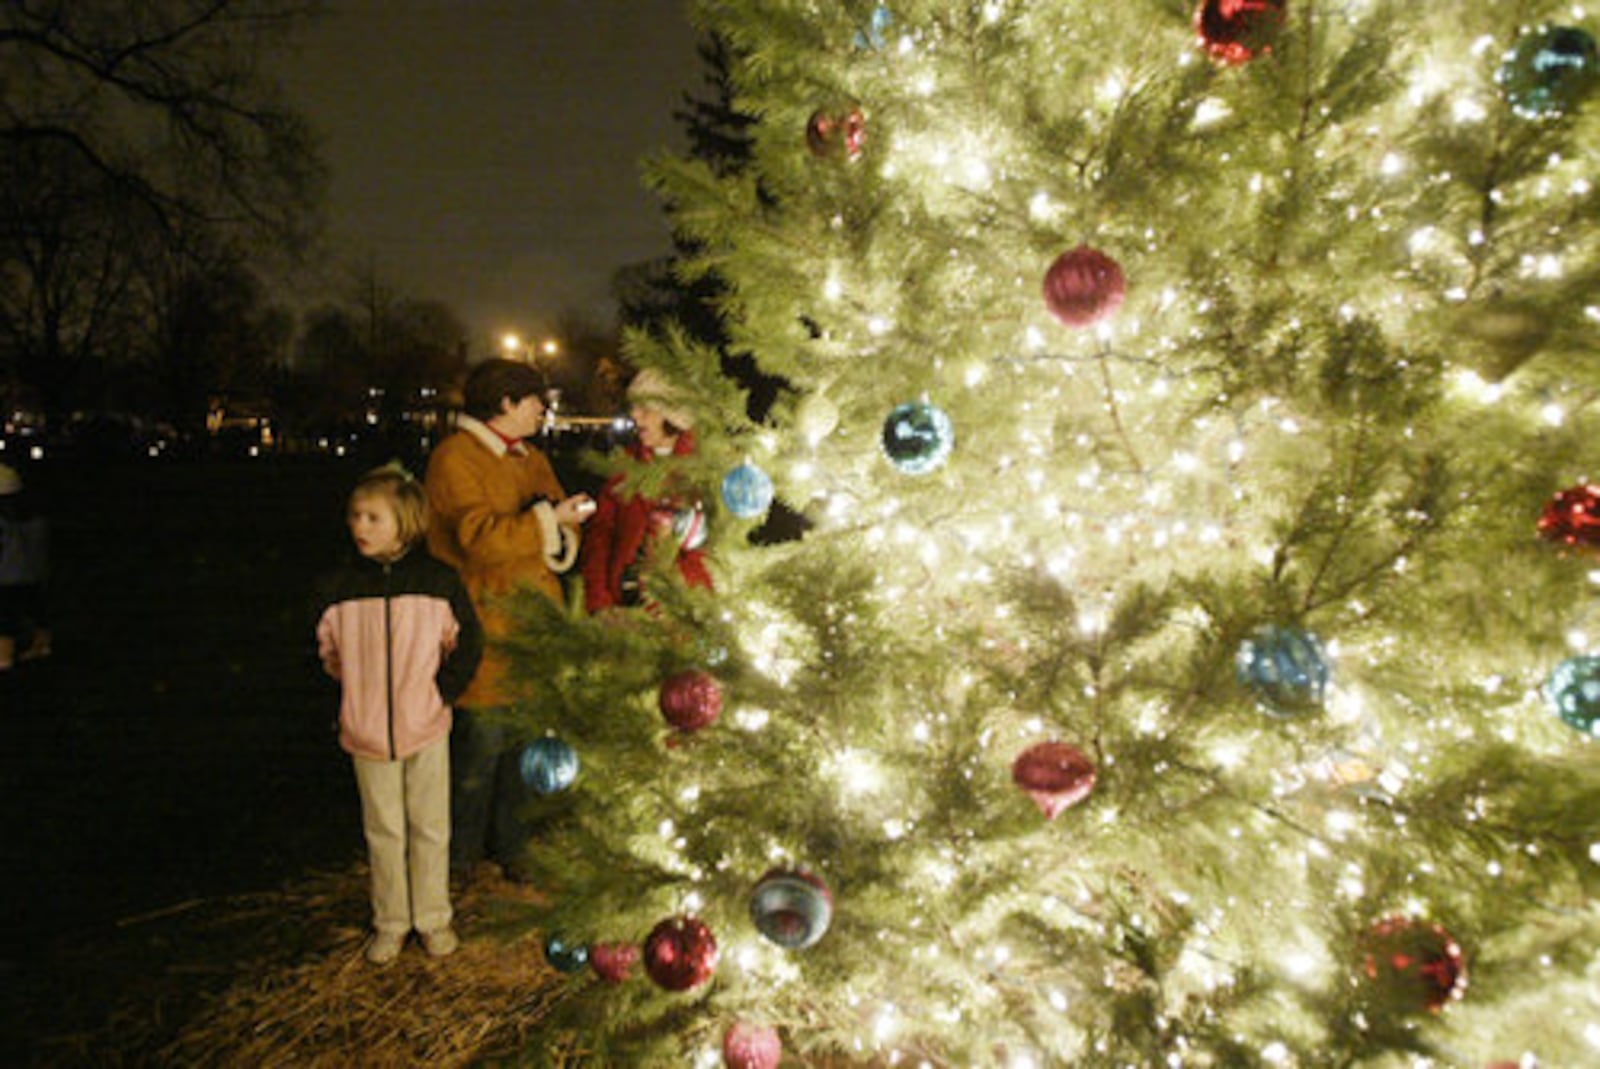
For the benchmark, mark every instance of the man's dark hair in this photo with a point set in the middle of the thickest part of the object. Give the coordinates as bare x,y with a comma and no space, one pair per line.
495,379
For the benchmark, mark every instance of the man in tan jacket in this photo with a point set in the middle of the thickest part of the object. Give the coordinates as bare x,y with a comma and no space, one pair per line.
502,520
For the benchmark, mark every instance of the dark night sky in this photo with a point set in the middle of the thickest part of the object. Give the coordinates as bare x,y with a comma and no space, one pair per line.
486,152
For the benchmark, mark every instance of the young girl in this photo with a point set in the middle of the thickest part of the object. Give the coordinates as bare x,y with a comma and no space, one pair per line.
397,630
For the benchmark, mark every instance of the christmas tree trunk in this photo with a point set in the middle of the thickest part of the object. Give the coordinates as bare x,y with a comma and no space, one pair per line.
1191,657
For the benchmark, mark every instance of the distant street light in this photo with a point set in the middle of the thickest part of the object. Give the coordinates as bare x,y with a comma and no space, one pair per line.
518,349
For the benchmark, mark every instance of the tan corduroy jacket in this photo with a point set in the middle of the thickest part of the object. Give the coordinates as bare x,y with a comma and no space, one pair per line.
493,521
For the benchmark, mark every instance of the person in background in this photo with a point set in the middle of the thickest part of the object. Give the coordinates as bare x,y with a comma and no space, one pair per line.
504,523
627,528
396,629
24,574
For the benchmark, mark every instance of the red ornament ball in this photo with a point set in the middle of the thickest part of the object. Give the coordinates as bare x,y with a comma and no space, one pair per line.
691,700
1572,517
1055,775
680,953
612,962
1237,31
751,1046
833,135
1413,965
1084,286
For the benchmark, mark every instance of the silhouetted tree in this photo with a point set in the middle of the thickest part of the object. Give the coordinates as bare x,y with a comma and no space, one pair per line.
215,333
377,350
332,360
675,287
69,291
136,135
586,346
167,99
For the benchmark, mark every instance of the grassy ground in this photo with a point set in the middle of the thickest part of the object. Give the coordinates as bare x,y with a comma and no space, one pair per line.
177,749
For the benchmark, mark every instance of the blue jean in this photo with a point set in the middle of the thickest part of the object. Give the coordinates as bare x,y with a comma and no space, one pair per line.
487,793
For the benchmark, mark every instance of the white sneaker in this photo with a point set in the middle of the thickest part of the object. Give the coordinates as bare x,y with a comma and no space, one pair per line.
385,947
441,942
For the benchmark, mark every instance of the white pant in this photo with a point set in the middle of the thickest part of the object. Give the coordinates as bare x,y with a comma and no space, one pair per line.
405,812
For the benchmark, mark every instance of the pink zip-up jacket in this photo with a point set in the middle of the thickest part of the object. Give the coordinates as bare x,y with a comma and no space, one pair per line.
403,641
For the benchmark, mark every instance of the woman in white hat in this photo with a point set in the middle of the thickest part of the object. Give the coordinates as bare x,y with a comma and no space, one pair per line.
627,527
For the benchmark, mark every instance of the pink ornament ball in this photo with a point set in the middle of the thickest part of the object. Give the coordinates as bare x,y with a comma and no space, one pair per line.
1084,286
1413,965
1055,775
831,134
1572,517
612,962
691,700
751,1046
1237,31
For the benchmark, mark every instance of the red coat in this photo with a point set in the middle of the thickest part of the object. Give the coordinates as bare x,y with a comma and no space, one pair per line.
620,533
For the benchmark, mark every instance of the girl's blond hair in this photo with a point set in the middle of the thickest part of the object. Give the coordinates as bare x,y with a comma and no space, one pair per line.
405,495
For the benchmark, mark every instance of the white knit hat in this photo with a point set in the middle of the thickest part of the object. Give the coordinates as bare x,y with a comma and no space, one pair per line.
650,389
10,481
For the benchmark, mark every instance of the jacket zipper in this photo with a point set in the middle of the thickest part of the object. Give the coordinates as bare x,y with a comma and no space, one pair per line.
388,655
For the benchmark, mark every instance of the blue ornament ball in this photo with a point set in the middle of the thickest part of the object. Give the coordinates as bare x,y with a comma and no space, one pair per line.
549,765
1286,668
564,956
1574,691
747,491
917,437
1549,71
876,33
791,908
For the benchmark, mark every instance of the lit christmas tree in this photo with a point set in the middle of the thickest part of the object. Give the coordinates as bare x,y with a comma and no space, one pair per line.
1192,658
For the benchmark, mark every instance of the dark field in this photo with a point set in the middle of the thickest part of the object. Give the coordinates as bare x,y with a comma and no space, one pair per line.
178,747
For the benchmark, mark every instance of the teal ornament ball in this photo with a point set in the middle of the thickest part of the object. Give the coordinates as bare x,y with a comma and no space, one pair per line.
548,765
918,437
565,957
791,908
1285,668
1573,690
747,491
1549,71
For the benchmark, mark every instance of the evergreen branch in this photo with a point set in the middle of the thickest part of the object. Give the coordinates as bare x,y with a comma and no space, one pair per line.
1114,410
